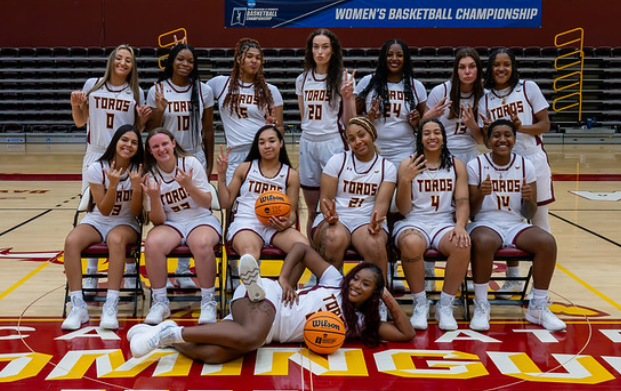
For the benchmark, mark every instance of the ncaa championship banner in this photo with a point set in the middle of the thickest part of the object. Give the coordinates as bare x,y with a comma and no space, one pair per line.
383,13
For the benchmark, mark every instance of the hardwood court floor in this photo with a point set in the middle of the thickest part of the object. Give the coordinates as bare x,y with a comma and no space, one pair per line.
36,213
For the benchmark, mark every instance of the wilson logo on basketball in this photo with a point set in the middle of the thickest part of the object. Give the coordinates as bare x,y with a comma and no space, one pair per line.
271,197
328,324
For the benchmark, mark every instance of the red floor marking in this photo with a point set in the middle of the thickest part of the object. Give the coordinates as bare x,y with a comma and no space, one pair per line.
586,177
40,177
510,352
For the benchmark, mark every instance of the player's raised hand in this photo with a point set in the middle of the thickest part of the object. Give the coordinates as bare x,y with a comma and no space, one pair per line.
269,116
527,191
347,89
144,113
160,100
374,112
486,186
113,175
184,178
152,188
515,119
222,161
437,111
375,226
330,215
467,116
414,166
78,98
136,178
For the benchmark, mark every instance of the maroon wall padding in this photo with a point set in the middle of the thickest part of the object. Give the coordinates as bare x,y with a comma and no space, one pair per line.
33,23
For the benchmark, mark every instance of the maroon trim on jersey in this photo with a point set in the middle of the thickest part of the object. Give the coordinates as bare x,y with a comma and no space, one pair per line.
223,88
175,229
517,235
383,171
415,94
275,175
353,158
103,174
105,85
480,170
532,110
316,78
209,226
287,177
189,87
248,170
309,187
343,164
523,168
513,155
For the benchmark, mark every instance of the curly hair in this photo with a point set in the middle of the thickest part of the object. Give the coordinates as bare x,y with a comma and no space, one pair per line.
379,81
455,93
368,332
335,67
262,93
195,81
488,80
446,160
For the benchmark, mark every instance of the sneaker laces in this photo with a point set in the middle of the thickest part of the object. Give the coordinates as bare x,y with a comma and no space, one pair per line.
420,309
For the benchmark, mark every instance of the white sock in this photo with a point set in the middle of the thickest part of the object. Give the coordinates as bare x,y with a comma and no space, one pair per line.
92,263
480,291
159,293
176,334
446,299
208,292
430,266
540,295
112,295
513,271
420,297
77,295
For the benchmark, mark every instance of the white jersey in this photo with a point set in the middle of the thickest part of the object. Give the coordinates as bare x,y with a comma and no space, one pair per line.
458,135
241,126
432,195
325,296
178,204
320,117
109,108
526,100
358,182
121,212
505,202
177,117
255,183
394,132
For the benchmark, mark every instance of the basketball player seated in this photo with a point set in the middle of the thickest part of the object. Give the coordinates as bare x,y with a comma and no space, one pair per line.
264,310
503,193
266,167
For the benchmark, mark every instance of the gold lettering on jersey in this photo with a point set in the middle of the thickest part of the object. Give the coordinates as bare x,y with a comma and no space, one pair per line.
331,305
261,187
315,95
507,185
395,95
248,99
174,196
101,102
123,196
506,110
431,185
360,188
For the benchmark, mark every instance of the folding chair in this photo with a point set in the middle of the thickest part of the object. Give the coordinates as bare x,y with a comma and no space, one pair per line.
100,250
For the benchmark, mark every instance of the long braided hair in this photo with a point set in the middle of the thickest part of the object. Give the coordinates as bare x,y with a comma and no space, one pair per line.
368,332
262,93
195,81
379,81
335,67
446,159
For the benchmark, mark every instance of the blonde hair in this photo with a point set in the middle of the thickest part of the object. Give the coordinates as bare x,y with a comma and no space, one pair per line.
368,126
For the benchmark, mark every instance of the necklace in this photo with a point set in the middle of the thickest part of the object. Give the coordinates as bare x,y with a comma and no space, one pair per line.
503,96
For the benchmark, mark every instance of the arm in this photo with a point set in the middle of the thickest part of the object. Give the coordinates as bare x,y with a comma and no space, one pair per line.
136,179
401,329
347,94
328,194
227,194
529,199
208,138
476,199
152,189
408,171
541,125
79,108
301,106
278,118
305,255
383,199
462,207
468,119
188,181
160,102
293,192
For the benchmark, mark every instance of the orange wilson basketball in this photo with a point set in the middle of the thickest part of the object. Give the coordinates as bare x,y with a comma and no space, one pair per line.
324,332
272,203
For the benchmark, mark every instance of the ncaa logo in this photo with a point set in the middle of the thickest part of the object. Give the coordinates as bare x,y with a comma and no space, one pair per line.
252,3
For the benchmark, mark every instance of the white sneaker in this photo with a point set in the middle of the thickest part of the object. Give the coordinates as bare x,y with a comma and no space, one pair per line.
480,319
209,313
147,340
159,310
184,282
169,285
445,318
90,282
250,275
420,313
539,313
143,328
108,315
470,286
430,285
395,282
77,315
512,287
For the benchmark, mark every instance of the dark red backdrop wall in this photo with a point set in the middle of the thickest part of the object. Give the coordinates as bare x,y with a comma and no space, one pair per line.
139,22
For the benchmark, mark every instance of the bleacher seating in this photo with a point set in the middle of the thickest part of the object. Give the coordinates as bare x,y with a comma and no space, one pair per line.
35,83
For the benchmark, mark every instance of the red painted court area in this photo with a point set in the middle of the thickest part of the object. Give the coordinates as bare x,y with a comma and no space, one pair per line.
513,355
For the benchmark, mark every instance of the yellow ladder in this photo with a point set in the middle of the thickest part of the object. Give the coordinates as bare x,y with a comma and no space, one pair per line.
572,80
